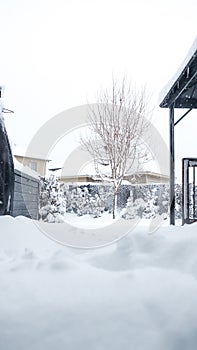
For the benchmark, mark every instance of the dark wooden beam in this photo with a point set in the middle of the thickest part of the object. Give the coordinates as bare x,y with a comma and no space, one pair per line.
184,102
183,116
172,165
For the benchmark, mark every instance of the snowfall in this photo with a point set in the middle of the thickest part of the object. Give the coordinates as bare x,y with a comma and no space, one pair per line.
136,292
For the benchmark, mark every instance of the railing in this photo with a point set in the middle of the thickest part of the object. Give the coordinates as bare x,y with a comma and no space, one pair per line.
189,190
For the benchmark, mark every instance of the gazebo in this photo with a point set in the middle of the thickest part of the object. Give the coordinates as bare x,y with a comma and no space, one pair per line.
181,92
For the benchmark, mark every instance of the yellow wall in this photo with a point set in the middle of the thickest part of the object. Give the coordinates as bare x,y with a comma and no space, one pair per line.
38,165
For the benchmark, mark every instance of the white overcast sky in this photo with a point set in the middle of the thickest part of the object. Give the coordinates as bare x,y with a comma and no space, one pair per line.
57,54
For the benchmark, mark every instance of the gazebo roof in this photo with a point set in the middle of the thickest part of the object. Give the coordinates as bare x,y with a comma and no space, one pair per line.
181,91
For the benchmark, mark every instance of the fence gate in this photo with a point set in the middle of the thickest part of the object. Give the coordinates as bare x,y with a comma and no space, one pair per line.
189,190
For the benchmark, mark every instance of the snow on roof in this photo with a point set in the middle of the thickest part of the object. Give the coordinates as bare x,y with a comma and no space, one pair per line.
147,172
166,89
23,152
25,169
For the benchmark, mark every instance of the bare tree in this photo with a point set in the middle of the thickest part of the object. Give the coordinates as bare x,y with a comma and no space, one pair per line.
117,122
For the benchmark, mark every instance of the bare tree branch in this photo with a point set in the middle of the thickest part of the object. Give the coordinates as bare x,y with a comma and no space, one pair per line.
117,124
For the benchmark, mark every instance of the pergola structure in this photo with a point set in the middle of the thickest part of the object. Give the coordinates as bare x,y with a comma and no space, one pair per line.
181,92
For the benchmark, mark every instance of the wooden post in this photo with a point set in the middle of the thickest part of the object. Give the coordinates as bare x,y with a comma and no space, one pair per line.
172,164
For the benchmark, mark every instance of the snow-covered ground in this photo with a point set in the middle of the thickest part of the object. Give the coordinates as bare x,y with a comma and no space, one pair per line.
86,231
139,293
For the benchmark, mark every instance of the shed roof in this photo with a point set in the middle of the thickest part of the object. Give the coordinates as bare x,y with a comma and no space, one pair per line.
181,91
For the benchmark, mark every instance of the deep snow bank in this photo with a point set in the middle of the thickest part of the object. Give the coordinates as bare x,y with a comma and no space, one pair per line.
138,293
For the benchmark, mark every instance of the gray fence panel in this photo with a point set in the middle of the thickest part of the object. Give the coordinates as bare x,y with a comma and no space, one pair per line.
26,196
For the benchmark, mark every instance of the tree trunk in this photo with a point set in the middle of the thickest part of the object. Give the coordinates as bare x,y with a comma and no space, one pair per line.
114,205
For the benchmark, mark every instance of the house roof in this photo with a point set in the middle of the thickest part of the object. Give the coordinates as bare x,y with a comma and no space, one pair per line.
181,91
21,152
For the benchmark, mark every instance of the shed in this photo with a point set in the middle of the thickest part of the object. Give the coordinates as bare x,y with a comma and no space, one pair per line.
181,92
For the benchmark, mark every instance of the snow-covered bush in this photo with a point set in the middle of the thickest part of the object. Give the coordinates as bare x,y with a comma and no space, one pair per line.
178,201
144,201
133,209
81,201
141,203
52,200
57,198
147,201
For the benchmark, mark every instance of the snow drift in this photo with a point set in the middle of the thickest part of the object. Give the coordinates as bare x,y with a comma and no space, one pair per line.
138,293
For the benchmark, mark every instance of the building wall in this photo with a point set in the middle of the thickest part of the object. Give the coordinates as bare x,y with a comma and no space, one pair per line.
26,196
144,178
156,179
38,165
149,178
73,179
